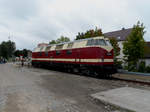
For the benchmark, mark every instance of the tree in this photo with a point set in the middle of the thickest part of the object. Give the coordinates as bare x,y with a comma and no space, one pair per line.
116,49
7,49
17,53
133,47
11,48
23,52
52,42
4,50
60,40
89,33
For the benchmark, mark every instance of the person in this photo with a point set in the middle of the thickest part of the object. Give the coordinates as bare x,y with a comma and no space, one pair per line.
22,62
29,62
4,60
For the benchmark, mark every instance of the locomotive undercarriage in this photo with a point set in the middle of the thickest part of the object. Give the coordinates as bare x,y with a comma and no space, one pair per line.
103,71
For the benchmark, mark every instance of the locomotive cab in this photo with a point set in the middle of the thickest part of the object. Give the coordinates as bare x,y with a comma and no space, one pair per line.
104,53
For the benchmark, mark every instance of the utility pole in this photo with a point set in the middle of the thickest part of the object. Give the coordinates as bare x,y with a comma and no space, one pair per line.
9,37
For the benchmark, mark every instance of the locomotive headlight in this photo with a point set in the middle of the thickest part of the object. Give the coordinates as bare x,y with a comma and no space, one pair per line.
108,54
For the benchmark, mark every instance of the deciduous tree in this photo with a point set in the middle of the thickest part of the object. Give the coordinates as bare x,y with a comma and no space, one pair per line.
60,40
133,47
89,33
23,52
7,49
116,49
52,42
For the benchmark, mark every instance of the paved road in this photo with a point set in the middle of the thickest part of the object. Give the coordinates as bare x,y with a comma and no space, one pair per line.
25,89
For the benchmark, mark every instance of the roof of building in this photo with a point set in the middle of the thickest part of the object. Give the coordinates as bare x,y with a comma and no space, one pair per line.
120,35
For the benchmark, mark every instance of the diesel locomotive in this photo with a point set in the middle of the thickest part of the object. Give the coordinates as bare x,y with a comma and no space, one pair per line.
90,56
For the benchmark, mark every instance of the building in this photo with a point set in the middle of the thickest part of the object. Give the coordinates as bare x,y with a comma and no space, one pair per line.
147,55
121,36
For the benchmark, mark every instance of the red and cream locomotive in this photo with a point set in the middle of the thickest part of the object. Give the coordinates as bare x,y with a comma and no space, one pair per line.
92,55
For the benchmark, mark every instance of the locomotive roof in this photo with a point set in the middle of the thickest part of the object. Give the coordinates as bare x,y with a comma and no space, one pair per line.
75,44
102,37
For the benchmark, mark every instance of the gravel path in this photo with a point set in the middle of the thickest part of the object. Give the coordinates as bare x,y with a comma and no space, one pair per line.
25,89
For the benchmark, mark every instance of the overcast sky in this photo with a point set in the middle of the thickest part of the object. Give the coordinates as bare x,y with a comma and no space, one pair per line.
29,22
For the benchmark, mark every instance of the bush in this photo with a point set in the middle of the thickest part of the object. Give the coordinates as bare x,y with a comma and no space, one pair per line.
119,64
148,69
142,67
132,67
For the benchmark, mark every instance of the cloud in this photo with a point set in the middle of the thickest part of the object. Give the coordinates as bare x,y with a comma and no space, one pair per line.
34,21
19,9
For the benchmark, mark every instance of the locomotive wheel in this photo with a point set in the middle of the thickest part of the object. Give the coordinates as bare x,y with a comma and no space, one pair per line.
96,74
106,76
75,70
85,72
69,70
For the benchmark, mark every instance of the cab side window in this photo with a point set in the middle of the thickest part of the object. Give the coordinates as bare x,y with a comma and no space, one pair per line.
68,52
40,54
90,42
58,52
46,53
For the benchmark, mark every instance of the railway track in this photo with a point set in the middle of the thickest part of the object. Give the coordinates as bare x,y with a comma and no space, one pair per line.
132,81
138,79
129,77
